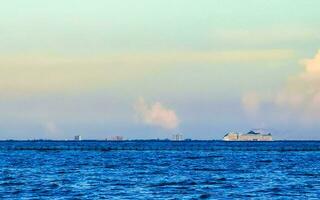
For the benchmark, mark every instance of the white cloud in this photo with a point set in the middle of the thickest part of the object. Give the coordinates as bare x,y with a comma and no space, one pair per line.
156,114
51,128
299,98
251,103
303,90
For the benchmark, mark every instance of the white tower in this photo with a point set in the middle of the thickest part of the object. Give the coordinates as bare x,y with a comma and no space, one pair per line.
177,137
77,138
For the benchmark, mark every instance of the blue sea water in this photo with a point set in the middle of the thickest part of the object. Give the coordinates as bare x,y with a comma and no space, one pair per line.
159,170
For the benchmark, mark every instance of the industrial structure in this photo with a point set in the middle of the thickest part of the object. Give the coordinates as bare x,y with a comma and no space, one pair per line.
177,137
117,138
77,138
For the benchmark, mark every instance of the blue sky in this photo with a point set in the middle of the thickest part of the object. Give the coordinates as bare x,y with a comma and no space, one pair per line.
147,69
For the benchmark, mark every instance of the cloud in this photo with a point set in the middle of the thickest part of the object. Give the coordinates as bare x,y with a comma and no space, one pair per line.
156,114
51,128
298,98
304,88
313,65
48,73
251,103
307,85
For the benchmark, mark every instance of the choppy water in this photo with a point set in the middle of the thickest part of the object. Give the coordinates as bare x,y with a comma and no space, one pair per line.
159,170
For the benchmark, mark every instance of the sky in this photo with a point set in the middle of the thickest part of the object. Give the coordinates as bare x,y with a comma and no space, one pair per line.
148,68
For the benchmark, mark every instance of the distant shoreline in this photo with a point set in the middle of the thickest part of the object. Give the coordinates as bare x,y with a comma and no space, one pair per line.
155,140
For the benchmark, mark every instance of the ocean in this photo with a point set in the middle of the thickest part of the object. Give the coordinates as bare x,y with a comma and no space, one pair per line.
159,170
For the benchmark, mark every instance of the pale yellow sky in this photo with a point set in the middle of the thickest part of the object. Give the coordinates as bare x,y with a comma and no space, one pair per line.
71,67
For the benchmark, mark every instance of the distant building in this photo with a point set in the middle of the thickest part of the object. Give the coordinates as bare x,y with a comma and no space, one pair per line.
177,137
117,138
77,138
250,136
